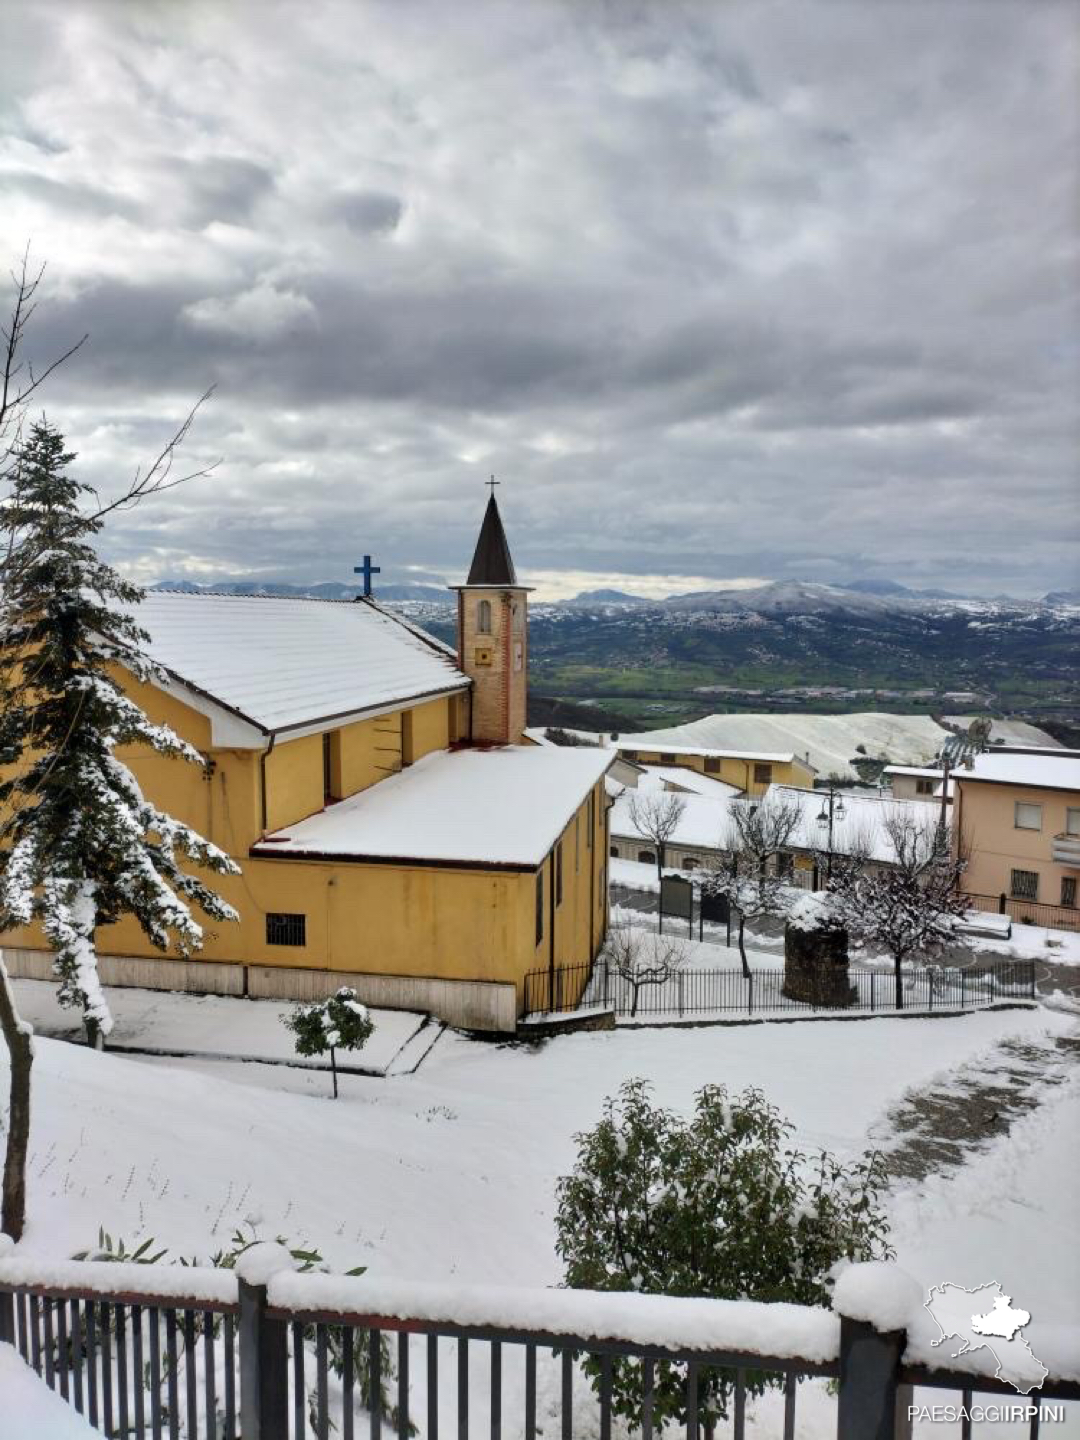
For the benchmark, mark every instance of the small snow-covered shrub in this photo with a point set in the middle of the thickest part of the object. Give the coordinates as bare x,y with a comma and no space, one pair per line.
340,1023
719,1205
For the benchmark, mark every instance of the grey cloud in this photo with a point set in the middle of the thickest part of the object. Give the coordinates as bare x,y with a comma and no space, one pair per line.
777,289
367,211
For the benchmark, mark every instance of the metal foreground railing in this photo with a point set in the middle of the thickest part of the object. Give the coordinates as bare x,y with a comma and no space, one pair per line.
204,1355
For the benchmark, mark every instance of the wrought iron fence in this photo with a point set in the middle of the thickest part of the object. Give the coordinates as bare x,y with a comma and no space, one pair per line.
695,992
318,1355
133,1363
1054,917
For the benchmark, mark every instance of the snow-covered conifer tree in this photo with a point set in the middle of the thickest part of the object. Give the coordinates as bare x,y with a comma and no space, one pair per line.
80,845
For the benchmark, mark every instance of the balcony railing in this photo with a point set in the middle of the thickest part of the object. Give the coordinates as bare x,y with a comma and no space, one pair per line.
1065,850
155,1351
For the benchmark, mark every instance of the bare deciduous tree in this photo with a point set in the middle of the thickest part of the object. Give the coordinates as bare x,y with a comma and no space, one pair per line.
655,815
640,958
747,873
910,906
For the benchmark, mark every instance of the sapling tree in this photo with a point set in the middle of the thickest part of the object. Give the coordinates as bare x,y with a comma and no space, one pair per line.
640,958
910,907
747,872
655,816
82,846
718,1205
326,1026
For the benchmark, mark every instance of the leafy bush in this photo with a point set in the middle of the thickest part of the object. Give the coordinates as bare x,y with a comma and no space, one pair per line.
340,1023
718,1205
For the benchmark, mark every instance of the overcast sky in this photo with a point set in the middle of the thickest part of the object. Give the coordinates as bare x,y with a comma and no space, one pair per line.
716,290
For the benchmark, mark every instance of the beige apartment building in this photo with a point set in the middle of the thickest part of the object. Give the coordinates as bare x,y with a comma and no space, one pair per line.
1017,810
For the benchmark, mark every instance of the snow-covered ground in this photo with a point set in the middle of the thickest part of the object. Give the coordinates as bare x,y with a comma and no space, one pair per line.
29,1410
449,1174
222,1027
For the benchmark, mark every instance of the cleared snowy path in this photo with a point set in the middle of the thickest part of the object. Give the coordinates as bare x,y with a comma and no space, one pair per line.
221,1027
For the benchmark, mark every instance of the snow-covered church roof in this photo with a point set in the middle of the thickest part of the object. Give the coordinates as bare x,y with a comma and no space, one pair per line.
286,664
501,807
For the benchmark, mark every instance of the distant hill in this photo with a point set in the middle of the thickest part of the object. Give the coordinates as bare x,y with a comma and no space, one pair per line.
607,597
323,590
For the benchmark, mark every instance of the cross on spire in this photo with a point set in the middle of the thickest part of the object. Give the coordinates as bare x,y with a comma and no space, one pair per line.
367,570
493,482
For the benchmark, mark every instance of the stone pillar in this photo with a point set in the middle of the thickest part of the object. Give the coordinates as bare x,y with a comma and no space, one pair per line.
816,967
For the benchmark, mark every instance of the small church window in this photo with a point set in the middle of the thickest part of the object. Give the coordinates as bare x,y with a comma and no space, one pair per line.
282,929
483,618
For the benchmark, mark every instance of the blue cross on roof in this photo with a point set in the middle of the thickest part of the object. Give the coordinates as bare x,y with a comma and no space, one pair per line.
367,570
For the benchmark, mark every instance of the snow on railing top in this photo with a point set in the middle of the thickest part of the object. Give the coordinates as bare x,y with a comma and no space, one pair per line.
779,1331
200,1285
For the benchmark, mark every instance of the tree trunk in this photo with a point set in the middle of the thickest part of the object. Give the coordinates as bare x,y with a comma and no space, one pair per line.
333,1069
94,1036
742,945
660,863
21,1050
899,985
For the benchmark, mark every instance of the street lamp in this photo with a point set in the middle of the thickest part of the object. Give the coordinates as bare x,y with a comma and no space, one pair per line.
832,808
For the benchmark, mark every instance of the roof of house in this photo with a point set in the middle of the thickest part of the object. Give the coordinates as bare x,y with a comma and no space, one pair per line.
863,825
491,562
502,807
1048,770
637,745
283,663
702,825
659,777
704,822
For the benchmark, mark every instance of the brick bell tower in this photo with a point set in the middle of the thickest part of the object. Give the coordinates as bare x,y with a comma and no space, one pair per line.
492,636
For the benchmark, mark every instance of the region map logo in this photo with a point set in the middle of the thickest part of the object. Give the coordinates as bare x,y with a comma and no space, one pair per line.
984,1318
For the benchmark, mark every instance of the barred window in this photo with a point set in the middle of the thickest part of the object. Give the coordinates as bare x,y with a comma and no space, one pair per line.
1025,885
646,857
712,764
483,618
1068,891
614,852
762,774
667,759
283,929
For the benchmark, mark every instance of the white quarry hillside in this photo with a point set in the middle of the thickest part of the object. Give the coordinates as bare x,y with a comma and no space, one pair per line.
831,741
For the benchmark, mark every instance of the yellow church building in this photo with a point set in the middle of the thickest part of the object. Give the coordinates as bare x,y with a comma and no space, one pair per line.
395,830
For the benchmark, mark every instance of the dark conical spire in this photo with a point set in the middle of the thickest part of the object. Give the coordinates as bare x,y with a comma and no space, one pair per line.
491,562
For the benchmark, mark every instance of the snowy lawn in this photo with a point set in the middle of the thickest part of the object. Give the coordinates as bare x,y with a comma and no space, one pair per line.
219,1026
449,1172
